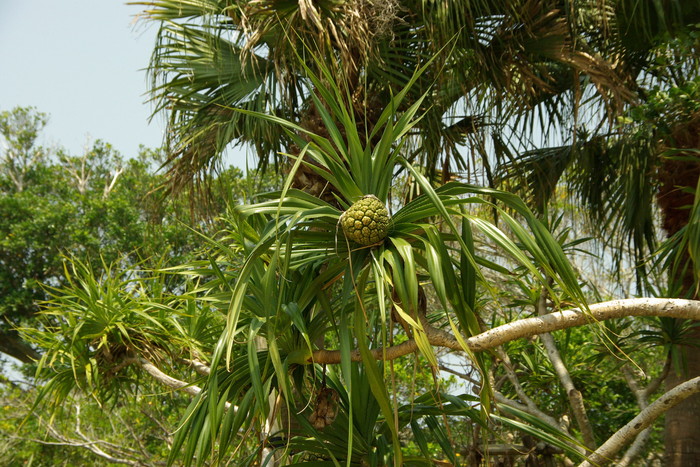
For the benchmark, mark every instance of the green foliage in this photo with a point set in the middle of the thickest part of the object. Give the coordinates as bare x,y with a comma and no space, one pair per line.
298,326
666,107
619,174
84,432
495,66
20,129
300,282
80,237
98,207
609,402
278,284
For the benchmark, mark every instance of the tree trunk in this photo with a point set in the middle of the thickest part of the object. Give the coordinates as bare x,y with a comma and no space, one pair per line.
682,431
12,345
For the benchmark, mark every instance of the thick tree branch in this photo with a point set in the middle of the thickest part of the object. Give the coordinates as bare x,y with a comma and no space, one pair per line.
669,307
198,366
645,418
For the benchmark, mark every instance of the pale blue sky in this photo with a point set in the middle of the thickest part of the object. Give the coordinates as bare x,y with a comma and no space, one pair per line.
82,62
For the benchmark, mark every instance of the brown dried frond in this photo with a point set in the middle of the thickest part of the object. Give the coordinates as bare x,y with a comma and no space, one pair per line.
547,33
345,31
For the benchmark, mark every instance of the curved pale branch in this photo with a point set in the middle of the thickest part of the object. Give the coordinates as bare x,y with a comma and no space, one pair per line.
668,307
91,446
644,419
198,366
166,379
642,395
574,395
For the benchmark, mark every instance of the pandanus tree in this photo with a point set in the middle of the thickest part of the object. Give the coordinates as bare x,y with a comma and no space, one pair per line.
313,284
294,323
493,61
638,177
517,69
312,318
300,370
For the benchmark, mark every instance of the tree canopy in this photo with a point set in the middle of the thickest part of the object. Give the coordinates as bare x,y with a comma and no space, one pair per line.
438,160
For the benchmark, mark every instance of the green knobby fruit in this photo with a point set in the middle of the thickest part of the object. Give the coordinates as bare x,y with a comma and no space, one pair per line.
367,221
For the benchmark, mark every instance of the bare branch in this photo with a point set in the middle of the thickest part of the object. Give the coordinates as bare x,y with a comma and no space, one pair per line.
529,403
669,307
109,186
645,418
165,379
168,380
199,366
642,395
459,374
89,445
86,445
574,395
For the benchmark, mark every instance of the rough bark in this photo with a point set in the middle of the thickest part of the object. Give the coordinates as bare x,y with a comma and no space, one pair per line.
682,430
682,433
